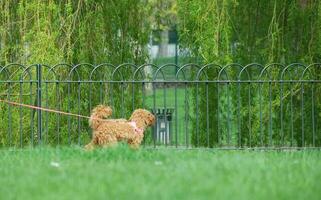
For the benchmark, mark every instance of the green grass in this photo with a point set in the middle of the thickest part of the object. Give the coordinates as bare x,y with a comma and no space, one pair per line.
122,173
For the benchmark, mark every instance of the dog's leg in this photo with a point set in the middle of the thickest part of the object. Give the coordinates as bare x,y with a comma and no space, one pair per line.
135,141
102,141
105,140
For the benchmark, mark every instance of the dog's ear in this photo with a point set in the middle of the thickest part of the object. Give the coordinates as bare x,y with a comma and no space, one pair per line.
151,118
144,116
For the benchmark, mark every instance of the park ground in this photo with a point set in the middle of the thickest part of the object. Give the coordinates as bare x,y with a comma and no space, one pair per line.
122,173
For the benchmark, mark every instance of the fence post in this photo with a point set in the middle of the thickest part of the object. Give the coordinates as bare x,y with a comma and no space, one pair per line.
39,99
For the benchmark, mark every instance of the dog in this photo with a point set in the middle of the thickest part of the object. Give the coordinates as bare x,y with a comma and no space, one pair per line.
108,132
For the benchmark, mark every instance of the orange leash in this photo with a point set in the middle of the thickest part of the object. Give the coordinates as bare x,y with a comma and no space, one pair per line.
45,109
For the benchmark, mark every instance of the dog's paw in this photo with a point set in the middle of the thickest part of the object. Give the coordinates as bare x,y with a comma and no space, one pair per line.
89,147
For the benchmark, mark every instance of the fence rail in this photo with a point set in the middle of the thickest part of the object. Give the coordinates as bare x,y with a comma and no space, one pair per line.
230,106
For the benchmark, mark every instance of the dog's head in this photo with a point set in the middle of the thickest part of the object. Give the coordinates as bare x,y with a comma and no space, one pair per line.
143,117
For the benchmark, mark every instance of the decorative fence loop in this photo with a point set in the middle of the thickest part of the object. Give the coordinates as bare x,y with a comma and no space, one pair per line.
210,105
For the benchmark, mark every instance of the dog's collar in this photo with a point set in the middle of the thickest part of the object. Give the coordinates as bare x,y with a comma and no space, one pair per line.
137,130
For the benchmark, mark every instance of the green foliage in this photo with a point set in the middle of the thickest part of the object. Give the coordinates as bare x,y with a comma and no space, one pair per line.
164,14
205,30
248,31
222,31
73,31
68,31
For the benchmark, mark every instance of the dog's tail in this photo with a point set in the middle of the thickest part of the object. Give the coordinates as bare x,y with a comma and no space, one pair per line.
98,115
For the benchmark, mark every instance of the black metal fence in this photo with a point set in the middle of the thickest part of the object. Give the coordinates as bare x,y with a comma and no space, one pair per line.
230,106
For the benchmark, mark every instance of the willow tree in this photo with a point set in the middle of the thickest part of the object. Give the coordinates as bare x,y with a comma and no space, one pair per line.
244,32
72,31
204,30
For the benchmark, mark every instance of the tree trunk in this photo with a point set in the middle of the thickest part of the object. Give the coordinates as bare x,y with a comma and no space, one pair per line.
163,46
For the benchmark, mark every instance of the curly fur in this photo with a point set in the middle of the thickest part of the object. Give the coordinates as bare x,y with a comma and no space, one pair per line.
107,132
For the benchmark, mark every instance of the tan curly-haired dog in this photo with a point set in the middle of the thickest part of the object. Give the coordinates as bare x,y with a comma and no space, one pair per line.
107,132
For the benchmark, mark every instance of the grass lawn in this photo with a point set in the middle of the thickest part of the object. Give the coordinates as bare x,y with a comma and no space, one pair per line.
121,173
